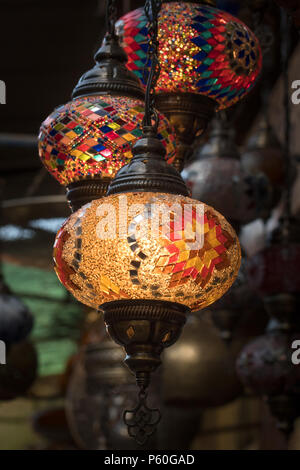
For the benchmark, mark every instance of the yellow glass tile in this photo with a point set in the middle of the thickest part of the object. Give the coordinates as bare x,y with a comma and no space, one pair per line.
181,244
129,137
198,264
114,126
209,255
191,262
71,134
184,255
84,157
75,153
162,261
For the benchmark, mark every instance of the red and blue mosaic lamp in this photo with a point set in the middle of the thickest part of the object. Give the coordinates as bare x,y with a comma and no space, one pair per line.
86,141
209,60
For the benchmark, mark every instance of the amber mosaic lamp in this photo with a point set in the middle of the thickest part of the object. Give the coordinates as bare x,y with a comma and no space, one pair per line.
146,279
209,60
86,141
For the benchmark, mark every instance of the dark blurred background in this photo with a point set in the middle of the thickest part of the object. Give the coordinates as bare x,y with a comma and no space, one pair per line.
45,48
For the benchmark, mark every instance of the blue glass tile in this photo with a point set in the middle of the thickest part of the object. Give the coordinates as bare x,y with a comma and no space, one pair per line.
202,68
105,129
238,42
200,56
99,147
199,41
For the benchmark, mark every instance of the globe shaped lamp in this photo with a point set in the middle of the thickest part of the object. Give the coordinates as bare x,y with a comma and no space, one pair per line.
237,304
16,320
215,175
272,272
209,60
264,155
86,141
146,276
265,366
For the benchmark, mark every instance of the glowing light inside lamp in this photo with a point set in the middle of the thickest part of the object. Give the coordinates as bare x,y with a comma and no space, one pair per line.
138,265
202,50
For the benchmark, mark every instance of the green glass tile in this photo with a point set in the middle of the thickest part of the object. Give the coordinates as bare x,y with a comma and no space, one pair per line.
208,61
139,63
137,132
206,74
206,35
207,48
139,38
141,54
212,81
98,158
78,129
207,24
216,87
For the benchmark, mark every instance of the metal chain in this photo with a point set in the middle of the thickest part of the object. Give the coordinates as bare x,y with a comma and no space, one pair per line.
111,16
152,9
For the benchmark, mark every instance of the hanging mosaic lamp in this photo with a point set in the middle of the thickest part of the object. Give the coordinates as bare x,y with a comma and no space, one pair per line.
19,372
209,60
144,273
86,141
238,303
265,366
215,176
16,321
274,271
264,155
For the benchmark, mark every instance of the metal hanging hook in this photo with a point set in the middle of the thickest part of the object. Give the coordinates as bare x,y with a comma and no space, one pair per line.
111,16
142,420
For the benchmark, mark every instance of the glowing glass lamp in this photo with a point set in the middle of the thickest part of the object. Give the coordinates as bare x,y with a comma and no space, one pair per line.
86,141
146,285
209,60
265,366
146,255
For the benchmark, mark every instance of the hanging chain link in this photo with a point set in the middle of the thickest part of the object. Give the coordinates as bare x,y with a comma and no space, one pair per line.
111,16
152,9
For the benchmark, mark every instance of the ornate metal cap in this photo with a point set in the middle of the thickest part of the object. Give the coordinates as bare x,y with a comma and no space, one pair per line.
110,74
148,171
83,191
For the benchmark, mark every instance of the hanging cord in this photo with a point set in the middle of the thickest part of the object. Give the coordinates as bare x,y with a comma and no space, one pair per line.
285,52
152,9
111,16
